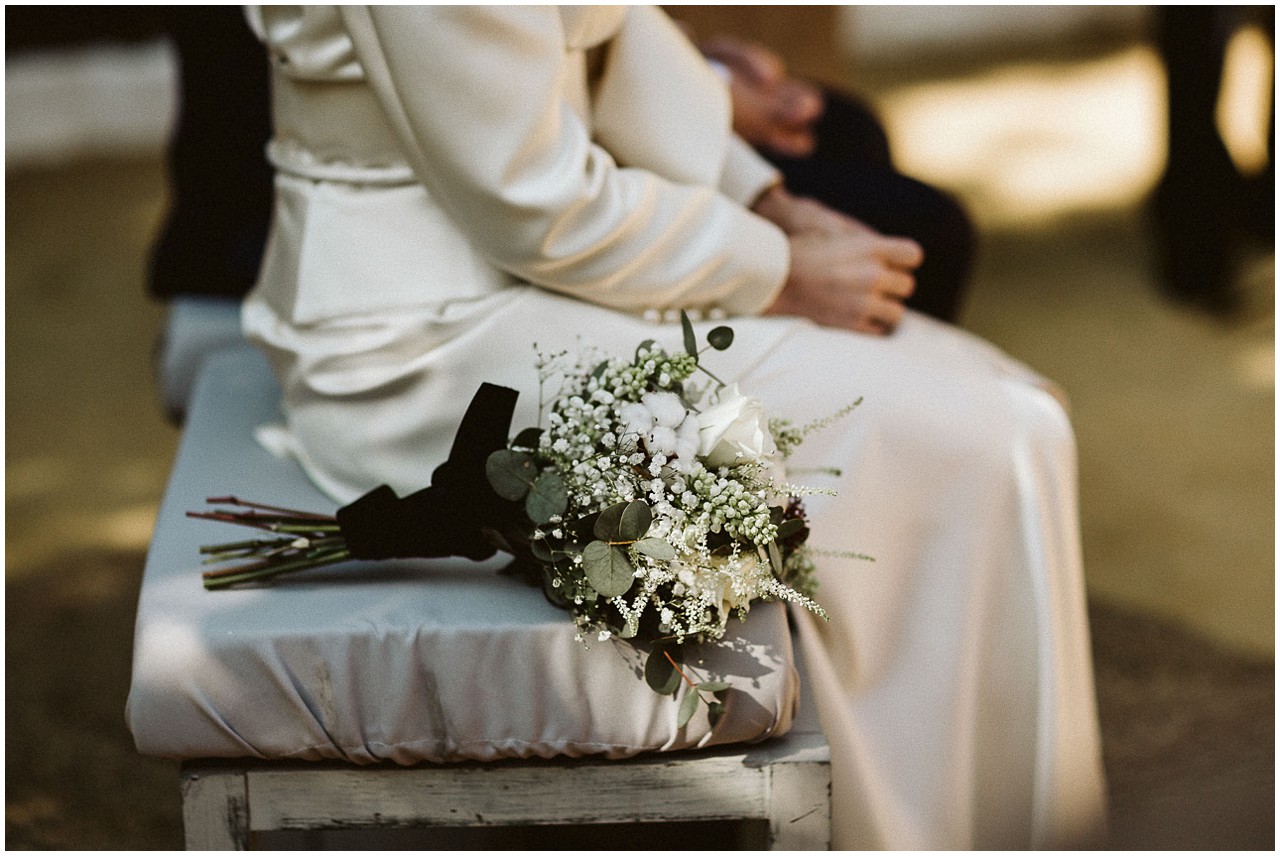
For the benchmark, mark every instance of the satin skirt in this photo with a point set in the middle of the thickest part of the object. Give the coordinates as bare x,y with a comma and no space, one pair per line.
953,678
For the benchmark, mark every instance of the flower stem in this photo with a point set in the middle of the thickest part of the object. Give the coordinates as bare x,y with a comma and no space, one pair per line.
242,503
301,528
676,666
268,568
237,546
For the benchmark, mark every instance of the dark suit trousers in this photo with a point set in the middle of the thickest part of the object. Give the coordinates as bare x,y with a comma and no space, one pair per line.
852,171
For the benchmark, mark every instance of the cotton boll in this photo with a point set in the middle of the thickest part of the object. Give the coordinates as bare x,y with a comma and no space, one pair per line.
667,408
636,418
661,441
689,433
687,440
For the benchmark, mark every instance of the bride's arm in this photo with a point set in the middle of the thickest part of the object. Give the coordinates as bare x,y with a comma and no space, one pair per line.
478,98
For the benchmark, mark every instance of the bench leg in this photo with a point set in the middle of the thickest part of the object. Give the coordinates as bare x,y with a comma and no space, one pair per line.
800,806
215,808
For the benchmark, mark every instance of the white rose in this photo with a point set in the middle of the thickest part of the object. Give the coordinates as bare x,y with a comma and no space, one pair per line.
715,582
751,572
734,430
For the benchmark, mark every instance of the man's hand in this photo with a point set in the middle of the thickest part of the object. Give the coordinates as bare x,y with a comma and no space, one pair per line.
843,273
770,110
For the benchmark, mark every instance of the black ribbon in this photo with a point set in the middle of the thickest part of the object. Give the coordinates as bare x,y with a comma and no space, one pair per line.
448,518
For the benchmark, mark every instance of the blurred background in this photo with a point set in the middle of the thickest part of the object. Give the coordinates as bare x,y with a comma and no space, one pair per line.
1049,123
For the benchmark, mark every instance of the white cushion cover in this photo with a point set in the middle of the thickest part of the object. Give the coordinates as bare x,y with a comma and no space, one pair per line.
402,660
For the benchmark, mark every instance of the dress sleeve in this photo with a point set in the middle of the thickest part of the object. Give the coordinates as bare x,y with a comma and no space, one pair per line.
478,97
746,175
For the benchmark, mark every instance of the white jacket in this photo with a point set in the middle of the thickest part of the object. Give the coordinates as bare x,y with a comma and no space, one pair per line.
436,154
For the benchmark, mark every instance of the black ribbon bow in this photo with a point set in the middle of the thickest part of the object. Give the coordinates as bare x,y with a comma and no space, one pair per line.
448,518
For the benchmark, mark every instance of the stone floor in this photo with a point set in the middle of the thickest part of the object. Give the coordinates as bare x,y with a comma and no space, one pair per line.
1174,413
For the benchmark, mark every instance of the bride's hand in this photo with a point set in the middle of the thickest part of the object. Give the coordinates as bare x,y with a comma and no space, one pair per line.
843,273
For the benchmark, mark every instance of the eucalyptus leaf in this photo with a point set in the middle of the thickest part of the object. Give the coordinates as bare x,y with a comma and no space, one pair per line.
607,569
541,550
656,548
775,558
582,530
510,473
690,340
720,338
660,673
529,438
547,499
635,522
606,525
713,686
624,521
789,528
715,710
688,707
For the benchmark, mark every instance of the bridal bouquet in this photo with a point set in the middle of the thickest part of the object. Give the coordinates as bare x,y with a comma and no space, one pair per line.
651,507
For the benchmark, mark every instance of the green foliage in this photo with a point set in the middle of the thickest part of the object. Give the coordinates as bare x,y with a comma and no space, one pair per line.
528,439
688,707
720,338
775,559
624,522
607,568
554,594
656,548
715,710
541,550
547,498
663,676
511,474
790,528
660,673
690,340
713,686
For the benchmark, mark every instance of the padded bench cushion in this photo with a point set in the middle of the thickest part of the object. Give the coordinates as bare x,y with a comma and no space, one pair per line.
404,661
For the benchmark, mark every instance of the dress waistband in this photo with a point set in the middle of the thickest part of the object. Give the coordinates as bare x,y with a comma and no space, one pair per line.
289,157
334,131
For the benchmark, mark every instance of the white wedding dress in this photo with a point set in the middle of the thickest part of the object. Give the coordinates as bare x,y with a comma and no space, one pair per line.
953,679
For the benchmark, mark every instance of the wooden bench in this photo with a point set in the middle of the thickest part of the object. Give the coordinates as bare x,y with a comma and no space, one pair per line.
781,784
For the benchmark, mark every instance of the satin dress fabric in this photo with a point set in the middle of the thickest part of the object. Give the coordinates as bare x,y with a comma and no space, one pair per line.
456,186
